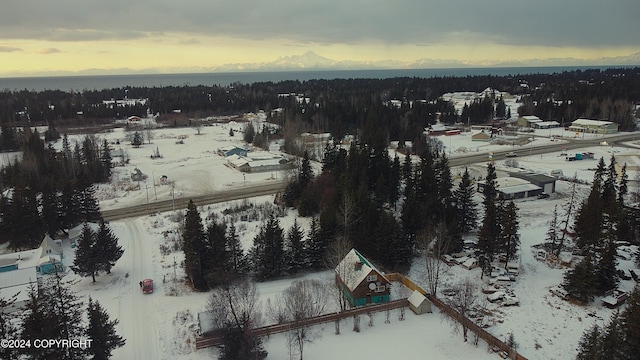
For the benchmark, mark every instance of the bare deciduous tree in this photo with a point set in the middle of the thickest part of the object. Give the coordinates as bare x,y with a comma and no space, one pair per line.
465,298
235,310
434,244
302,300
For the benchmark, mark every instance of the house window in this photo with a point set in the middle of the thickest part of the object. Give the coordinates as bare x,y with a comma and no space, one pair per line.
372,278
380,288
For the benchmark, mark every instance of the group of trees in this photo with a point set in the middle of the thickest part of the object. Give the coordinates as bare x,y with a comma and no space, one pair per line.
51,190
602,220
54,312
499,231
213,256
619,339
96,251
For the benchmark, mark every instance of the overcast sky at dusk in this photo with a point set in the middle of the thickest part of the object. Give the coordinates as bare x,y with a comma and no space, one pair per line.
188,36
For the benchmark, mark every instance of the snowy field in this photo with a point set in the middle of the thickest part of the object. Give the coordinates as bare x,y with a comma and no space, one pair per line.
162,325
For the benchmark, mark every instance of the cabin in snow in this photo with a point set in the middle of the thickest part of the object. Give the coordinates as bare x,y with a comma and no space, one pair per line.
361,283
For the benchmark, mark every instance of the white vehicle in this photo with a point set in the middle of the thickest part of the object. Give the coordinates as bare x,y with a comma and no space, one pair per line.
511,154
510,301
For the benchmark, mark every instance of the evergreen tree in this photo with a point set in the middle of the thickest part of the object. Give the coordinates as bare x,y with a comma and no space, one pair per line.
467,213
53,312
107,162
249,133
315,246
89,210
37,323
630,323
552,233
87,260
136,141
216,259
193,245
50,208
102,331
268,250
587,227
295,256
491,229
107,248
26,226
8,329
237,258
590,347
612,340
509,237
394,181
579,282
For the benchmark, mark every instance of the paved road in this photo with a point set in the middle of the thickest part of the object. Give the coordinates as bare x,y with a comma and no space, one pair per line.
220,196
551,147
278,186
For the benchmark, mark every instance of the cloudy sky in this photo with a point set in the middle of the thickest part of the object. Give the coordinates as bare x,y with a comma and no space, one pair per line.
177,36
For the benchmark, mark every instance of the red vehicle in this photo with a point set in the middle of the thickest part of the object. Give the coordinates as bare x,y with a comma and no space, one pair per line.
147,286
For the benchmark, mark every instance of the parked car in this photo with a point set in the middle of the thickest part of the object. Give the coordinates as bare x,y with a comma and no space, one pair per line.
511,154
543,196
147,286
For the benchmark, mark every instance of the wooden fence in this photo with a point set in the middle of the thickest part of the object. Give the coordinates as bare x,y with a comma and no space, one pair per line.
492,341
213,340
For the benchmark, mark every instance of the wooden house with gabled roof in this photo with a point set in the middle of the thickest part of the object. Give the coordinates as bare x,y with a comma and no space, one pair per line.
361,283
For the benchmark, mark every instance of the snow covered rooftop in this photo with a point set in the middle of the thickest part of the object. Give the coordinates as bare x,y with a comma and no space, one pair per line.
416,298
589,122
354,268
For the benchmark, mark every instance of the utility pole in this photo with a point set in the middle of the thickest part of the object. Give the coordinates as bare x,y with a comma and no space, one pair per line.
155,193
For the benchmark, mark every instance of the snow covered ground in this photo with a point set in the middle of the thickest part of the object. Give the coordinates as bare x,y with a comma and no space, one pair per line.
162,325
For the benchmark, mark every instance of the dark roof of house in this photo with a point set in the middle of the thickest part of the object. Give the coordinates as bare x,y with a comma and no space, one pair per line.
534,178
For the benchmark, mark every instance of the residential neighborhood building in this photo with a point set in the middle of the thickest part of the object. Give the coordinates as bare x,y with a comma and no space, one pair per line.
229,150
481,136
360,281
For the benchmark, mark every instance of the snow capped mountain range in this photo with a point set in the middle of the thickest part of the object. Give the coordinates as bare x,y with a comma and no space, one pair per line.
312,61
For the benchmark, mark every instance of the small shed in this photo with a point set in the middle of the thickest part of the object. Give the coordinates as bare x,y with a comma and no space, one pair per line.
418,303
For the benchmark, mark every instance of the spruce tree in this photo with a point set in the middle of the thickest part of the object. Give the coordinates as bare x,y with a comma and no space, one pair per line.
193,245
552,232
237,258
216,263
315,246
89,208
50,208
88,260
295,256
509,236
106,162
466,207
490,230
630,323
108,250
590,347
580,282
102,331
268,250
8,329
37,323
136,141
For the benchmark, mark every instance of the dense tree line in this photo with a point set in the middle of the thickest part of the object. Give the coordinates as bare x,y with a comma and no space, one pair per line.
50,190
601,222
344,106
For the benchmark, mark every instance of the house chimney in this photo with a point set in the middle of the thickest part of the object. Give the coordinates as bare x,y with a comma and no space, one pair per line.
358,265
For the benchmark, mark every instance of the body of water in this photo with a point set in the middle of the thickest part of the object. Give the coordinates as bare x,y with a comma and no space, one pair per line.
98,82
